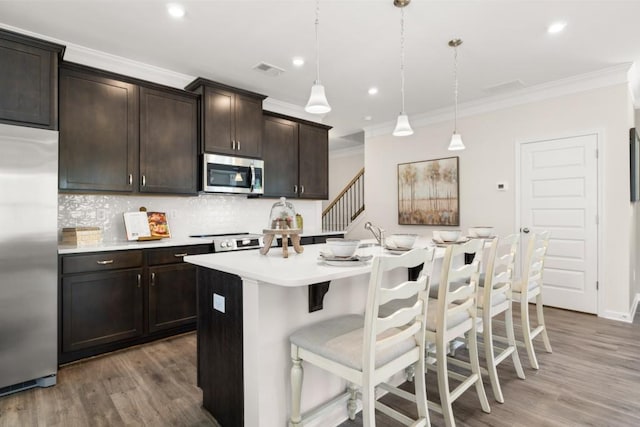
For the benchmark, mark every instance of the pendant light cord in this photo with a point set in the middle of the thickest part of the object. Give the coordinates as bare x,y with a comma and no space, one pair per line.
402,56
455,89
317,42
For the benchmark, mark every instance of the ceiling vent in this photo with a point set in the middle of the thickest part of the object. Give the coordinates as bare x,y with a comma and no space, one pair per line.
511,86
268,69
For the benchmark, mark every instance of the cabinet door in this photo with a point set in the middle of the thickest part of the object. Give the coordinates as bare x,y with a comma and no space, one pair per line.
98,133
101,308
313,143
280,154
172,296
168,142
248,126
218,121
27,83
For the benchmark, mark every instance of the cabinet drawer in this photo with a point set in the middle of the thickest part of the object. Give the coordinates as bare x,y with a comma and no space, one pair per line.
174,254
101,261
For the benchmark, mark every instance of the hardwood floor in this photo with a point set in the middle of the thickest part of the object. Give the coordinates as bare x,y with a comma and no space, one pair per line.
592,378
149,385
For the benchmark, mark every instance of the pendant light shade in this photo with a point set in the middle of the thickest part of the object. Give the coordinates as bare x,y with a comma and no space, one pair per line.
456,140
317,103
403,128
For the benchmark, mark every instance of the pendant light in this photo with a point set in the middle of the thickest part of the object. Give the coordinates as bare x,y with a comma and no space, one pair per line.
403,128
317,103
456,140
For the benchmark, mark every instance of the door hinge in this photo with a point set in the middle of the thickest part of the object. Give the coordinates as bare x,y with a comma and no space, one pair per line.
597,219
597,285
597,153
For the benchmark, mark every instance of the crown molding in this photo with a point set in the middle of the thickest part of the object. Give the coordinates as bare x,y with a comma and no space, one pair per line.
618,74
347,151
117,64
289,109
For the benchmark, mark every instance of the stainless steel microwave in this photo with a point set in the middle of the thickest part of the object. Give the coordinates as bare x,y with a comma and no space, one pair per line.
227,174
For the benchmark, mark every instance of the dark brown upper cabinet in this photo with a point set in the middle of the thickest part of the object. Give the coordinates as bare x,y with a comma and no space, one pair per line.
168,142
231,119
119,134
296,157
28,81
98,132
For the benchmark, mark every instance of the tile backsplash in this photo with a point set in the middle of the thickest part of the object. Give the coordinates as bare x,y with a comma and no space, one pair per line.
203,214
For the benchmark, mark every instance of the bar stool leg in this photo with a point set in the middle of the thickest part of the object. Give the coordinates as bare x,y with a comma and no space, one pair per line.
352,403
487,335
526,333
511,338
296,388
540,316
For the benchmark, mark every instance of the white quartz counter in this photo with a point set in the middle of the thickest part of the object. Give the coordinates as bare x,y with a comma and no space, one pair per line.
127,245
297,270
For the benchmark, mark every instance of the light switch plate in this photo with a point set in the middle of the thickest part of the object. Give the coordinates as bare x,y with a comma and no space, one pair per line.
218,303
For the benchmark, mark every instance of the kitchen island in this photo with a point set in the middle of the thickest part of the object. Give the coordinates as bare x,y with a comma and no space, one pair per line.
248,305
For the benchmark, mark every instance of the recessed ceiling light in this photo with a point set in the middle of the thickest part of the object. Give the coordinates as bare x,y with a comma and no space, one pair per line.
175,10
373,90
556,27
367,118
298,61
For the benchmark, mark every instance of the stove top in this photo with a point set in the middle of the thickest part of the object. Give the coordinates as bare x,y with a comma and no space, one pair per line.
224,242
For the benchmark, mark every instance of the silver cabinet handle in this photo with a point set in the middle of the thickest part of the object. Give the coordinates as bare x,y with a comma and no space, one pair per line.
238,143
144,180
295,189
302,189
525,230
153,279
105,262
139,280
180,255
233,144
130,179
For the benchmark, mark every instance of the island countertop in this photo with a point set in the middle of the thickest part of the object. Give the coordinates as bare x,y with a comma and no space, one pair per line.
296,270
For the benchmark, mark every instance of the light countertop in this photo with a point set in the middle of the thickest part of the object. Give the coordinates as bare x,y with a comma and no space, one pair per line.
128,245
298,270
120,245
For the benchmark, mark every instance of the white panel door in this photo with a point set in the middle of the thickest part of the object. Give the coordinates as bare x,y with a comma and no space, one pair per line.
559,193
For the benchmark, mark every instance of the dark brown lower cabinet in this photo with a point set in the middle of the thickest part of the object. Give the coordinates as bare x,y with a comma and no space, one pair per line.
113,300
101,308
172,296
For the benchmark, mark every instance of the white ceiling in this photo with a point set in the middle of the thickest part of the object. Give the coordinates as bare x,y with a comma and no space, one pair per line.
504,41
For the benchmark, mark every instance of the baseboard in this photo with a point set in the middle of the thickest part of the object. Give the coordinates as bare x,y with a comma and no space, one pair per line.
634,306
618,315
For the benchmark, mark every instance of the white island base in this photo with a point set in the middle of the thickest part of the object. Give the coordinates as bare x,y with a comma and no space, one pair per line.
273,302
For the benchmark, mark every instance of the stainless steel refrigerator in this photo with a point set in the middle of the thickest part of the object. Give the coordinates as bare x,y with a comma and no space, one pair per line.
28,257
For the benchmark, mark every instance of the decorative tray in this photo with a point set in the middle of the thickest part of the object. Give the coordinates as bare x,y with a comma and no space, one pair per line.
339,261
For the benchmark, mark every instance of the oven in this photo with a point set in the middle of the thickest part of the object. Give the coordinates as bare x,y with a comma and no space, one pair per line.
234,241
227,174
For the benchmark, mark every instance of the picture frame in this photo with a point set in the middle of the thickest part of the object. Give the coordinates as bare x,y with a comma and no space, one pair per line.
429,192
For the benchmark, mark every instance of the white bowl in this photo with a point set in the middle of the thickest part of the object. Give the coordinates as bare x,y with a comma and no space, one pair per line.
449,235
483,231
402,240
342,247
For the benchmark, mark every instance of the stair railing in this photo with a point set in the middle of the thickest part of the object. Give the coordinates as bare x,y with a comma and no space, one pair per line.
346,206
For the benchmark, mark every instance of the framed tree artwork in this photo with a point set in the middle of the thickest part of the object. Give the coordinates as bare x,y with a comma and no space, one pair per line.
428,192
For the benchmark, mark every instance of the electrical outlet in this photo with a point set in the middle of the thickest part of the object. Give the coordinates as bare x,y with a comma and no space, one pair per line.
101,214
218,303
502,186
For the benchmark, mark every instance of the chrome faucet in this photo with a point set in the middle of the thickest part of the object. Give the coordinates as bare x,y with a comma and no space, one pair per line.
377,232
